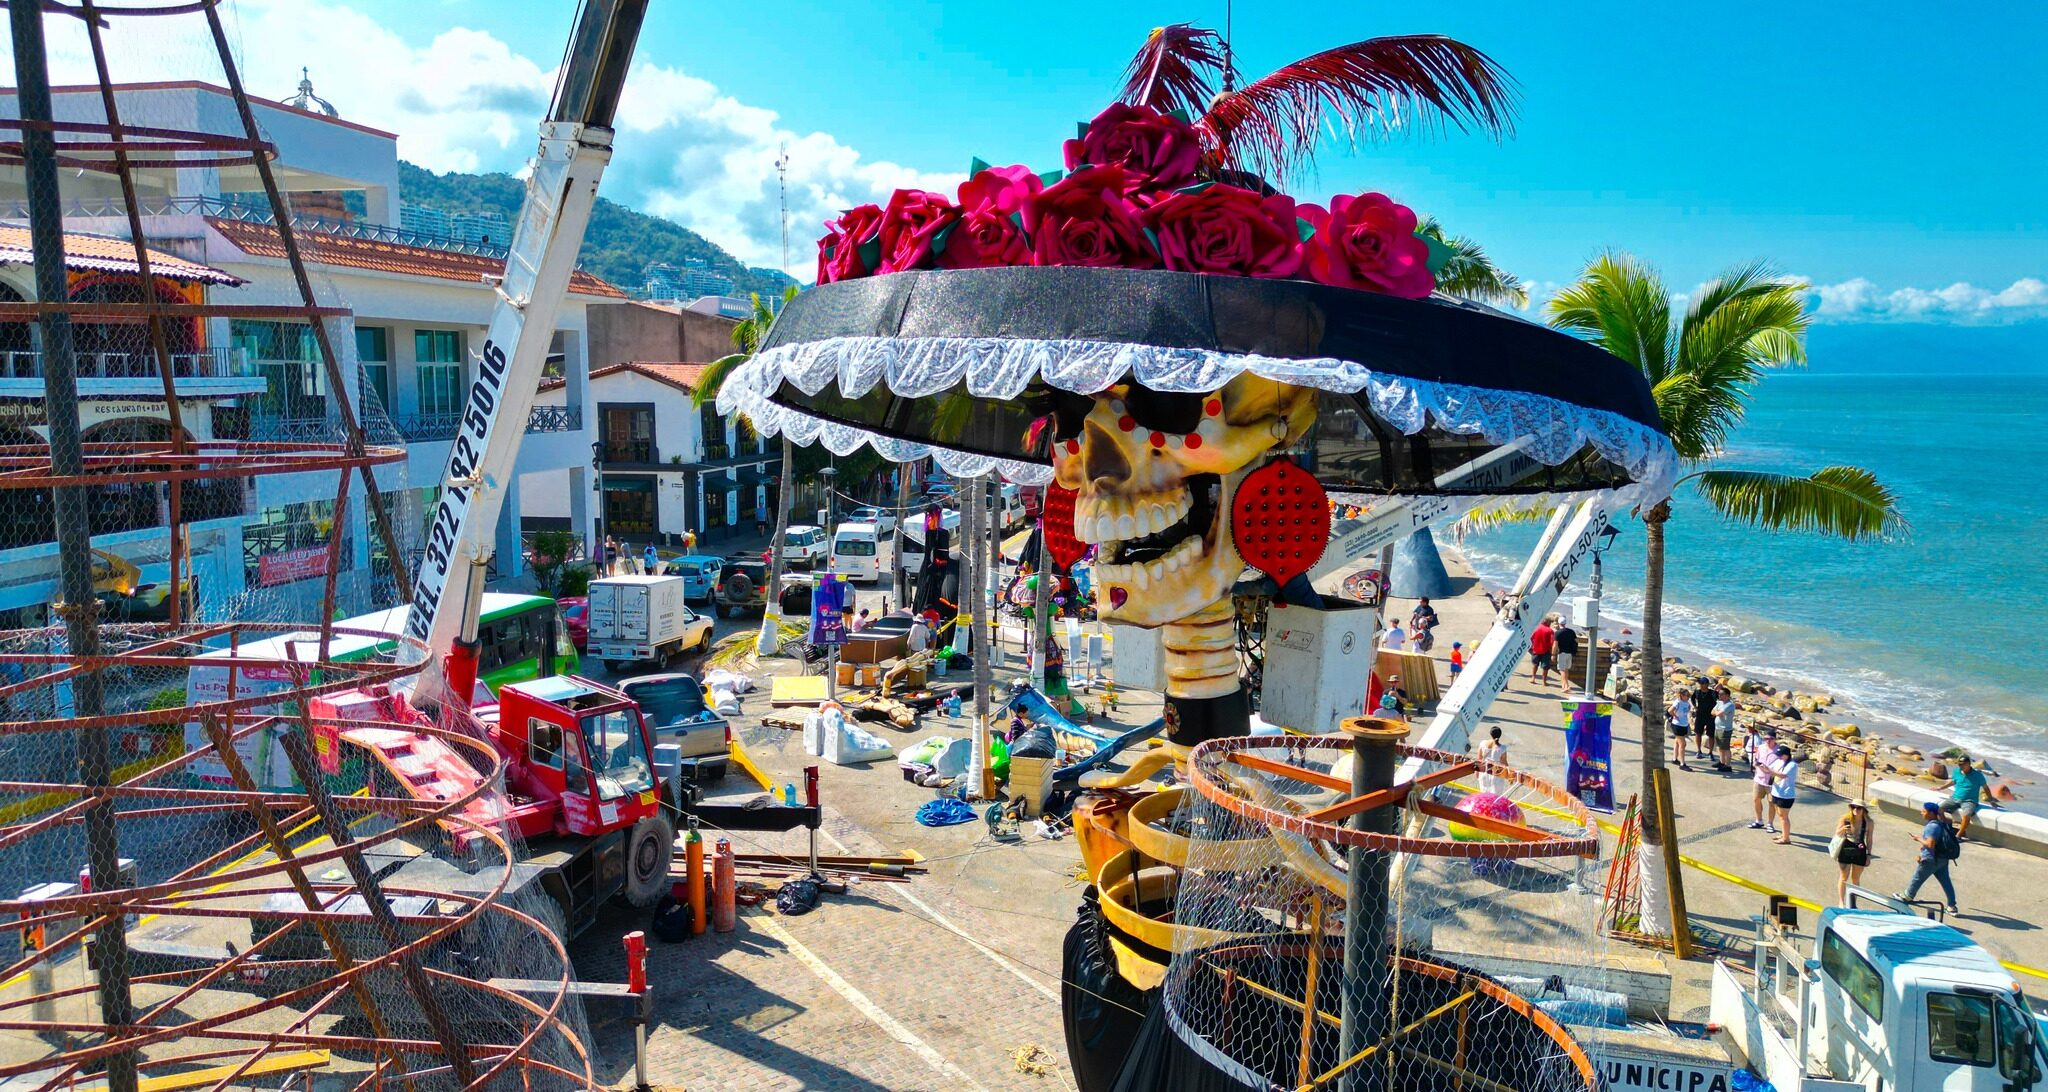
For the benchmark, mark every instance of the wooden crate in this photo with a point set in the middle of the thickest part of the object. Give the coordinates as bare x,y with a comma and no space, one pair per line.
1031,779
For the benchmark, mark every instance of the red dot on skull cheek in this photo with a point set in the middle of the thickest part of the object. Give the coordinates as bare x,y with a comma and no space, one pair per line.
1194,440
1127,422
1158,439
1213,407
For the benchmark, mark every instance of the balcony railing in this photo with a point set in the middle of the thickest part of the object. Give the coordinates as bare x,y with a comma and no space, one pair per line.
219,362
110,208
631,453
416,428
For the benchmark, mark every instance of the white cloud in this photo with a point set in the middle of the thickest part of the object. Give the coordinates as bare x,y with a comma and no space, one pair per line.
1862,300
466,101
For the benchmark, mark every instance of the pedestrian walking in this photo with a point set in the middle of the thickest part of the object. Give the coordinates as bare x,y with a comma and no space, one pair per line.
689,542
611,554
1495,751
1681,725
650,562
1703,701
1763,760
1396,638
1457,660
1966,794
1542,650
1939,847
1784,793
1422,625
1566,640
1851,848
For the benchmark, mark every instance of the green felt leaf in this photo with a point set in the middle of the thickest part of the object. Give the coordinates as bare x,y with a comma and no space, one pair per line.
1080,130
1183,116
1440,255
1196,188
939,240
976,166
1050,177
871,253
1017,218
1152,237
1305,229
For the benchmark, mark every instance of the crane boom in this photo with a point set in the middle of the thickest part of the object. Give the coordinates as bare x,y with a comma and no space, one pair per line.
561,190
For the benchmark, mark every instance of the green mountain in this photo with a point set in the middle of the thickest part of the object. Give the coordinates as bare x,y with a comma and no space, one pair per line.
617,246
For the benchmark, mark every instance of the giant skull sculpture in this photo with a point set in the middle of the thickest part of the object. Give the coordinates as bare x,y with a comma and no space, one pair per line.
1155,474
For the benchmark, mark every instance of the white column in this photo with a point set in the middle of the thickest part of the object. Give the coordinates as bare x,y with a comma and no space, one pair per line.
579,509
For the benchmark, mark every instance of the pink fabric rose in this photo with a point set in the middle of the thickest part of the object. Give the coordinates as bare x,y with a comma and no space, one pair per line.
1159,151
1085,219
912,221
1226,229
1368,242
839,250
988,232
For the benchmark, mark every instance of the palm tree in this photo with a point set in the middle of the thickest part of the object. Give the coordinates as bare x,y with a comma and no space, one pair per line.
1470,273
1272,125
746,337
1702,371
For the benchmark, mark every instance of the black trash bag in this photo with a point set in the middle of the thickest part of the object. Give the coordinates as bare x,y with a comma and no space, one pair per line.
1101,1012
1035,742
799,896
671,921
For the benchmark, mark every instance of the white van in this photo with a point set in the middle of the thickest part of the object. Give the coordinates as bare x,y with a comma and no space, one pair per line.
856,552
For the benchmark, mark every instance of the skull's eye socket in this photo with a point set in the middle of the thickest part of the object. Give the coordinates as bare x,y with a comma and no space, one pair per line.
1162,411
1068,411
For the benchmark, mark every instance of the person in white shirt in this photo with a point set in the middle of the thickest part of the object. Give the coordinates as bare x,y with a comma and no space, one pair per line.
1494,752
1396,638
1681,724
1784,792
1764,761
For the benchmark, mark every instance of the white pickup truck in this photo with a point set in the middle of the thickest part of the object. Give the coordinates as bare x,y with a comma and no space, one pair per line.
643,619
1885,1002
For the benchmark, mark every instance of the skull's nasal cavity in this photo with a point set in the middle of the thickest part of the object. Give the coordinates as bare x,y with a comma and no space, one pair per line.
1104,458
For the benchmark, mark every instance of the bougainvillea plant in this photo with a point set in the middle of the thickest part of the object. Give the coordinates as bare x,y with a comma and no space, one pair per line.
1137,193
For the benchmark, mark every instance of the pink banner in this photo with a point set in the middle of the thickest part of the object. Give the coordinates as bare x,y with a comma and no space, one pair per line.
283,568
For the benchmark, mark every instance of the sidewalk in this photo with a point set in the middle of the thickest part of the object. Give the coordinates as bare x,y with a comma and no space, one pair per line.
2004,895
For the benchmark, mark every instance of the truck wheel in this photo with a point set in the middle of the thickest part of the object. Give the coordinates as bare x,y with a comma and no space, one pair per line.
650,847
613,666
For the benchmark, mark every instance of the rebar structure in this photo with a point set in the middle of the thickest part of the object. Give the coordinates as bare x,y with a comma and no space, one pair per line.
260,897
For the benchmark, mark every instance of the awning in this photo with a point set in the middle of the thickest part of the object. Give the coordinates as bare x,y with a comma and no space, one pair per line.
717,483
751,475
108,254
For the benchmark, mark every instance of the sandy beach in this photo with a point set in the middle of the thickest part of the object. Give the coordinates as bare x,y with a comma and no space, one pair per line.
1885,729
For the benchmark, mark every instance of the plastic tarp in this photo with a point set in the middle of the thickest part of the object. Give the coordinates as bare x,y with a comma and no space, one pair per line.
829,735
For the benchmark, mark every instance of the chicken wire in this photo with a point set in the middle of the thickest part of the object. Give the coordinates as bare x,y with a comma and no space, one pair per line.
1278,979
203,778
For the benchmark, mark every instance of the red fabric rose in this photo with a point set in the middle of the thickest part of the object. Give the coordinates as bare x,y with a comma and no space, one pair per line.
1226,229
912,221
988,232
1367,242
1159,151
839,250
1085,219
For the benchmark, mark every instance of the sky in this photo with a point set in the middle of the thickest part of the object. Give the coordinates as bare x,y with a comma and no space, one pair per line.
1892,159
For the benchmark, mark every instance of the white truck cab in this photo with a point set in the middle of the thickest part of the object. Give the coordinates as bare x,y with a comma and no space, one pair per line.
1887,1002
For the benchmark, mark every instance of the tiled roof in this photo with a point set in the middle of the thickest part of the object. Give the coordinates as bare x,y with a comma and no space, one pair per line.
109,254
262,241
682,377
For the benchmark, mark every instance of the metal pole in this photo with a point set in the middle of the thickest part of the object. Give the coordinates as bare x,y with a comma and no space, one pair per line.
1593,633
1368,958
74,532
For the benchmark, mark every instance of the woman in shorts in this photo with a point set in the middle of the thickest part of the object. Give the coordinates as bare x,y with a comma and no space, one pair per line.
1851,848
1681,726
1784,793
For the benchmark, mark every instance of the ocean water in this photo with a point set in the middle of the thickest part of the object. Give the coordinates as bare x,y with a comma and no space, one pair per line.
1943,629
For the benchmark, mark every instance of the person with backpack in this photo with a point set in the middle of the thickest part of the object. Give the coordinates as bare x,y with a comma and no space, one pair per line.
1938,849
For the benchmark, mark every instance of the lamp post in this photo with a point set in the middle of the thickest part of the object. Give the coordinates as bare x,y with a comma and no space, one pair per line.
1607,537
829,473
597,477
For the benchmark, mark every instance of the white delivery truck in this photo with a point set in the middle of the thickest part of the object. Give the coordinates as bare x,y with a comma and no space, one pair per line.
643,619
1882,1002
910,548
856,551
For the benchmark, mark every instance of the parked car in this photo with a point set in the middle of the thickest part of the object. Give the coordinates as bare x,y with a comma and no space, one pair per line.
677,714
576,619
700,573
804,545
742,586
883,519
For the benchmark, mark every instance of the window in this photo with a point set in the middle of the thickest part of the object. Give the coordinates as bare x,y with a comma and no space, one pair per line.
373,353
439,371
618,757
285,354
544,743
628,434
2018,1057
855,547
715,446
514,640
1853,974
1959,1029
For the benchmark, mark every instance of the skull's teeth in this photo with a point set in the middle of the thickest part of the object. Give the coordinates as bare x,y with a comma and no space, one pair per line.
1101,519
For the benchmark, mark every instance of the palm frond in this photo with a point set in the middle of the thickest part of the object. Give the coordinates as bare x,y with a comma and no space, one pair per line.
1175,70
1499,515
1847,502
1621,305
1471,274
740,651
1365,89
713,377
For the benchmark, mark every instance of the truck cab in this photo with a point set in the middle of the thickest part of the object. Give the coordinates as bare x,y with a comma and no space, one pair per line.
582,746
1887,1001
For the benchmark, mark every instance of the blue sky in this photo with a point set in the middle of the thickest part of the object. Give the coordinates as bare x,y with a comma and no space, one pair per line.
1896,155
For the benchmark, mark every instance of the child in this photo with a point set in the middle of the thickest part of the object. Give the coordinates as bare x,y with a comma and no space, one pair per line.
1457,660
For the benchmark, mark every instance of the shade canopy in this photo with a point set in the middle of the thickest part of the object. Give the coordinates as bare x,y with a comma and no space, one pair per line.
1432,396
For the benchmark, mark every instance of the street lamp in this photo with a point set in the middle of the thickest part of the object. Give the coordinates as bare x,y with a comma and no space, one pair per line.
1607,537
829,473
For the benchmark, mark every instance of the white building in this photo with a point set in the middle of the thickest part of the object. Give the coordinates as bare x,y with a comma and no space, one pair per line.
418,318
663,465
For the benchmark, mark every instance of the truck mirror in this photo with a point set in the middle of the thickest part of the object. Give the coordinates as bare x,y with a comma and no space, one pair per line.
1812,968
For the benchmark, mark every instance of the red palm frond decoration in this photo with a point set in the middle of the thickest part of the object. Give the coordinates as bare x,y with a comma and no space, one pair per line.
1366,88
1174,70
